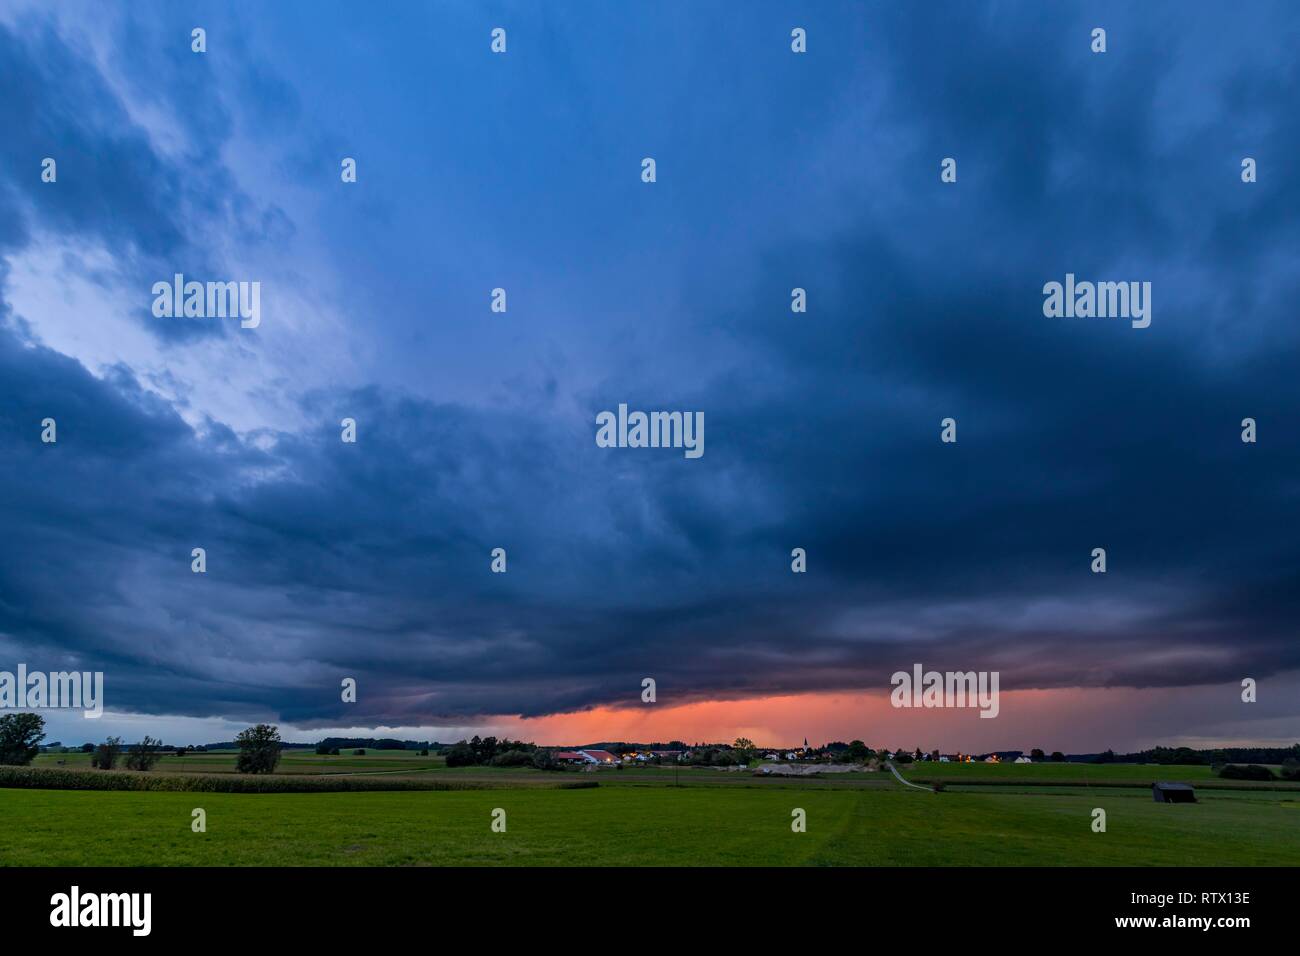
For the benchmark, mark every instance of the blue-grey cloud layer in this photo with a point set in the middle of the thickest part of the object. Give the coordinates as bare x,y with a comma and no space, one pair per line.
329,560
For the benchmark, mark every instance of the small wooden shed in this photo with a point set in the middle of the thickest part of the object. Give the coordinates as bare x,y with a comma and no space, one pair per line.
1173,793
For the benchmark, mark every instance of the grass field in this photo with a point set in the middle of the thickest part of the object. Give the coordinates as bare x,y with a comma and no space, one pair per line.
1102,772
1004,814
1085,775
649,825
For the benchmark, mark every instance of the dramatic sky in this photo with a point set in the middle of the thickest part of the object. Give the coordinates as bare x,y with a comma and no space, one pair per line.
476,429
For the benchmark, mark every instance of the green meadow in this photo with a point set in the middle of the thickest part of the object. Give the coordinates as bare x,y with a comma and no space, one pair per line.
985,817
1104,772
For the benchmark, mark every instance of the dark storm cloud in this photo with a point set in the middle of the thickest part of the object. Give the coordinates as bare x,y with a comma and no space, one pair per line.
328,560
157,213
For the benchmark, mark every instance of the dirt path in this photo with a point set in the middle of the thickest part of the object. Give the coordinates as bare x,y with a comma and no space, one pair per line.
894,771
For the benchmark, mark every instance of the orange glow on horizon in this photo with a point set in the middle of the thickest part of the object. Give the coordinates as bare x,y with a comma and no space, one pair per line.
1073,719
784,721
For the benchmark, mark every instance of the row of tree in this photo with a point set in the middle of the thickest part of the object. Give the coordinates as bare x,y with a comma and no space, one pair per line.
141,756
1217,756
89,748
490,752
1290,770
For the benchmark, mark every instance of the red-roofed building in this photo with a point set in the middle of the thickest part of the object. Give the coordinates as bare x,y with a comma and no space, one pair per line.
586,756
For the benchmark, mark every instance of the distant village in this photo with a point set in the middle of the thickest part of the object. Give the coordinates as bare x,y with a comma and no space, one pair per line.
742,753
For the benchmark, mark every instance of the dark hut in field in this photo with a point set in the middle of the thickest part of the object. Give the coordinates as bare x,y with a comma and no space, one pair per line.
1173,793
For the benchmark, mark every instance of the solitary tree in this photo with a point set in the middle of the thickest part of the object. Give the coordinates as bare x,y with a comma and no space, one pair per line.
105,755
545,760
144,754
857,750
1037,754
259,749
460,755
20,737
1057,756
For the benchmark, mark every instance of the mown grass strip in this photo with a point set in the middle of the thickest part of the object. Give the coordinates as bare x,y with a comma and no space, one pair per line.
34,778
